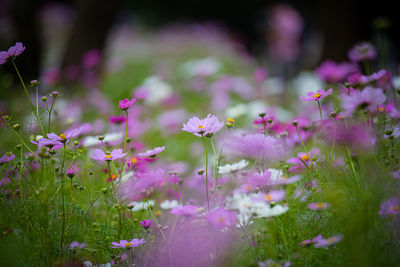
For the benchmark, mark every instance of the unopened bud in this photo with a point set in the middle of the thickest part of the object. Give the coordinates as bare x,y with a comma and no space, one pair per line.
294,123
54,94
101,137
16,126
34,83
44,98
200,172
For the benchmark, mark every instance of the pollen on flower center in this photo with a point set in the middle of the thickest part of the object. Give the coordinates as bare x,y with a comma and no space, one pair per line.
230,120
128,245
113,177
133,160
63,136
268,197
201,127
317,95
221,220
108,157
305,157
320,205
396,208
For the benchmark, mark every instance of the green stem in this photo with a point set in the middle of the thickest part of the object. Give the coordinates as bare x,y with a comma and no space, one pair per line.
27,95
205,148
320,112
214,172
19,178
51,109
304,147
62,198
125,140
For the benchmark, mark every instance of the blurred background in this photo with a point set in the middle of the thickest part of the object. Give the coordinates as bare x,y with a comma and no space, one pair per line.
289,35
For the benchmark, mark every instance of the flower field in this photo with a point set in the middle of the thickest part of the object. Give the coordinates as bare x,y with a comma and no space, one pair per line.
178,148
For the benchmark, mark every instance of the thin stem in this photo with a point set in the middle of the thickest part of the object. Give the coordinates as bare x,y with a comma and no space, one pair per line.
19,178
320,112
155,221
304,147
62,198
125,140
27,95
214,171
51,109
205,148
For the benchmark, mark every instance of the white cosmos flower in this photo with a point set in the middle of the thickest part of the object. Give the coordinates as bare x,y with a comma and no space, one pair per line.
94,140
169,204
137,206
228,168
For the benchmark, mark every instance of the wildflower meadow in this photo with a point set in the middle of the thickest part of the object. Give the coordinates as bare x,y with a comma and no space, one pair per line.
175,147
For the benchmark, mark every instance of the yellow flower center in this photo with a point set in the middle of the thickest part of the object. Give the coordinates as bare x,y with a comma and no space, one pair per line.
396,208
305,157
244,205
381,109
268,197
248,188
200,126
63,136
316,95
127,245
108,157
113,177
331,239
221,220
230,120
133,160
320,205
158,213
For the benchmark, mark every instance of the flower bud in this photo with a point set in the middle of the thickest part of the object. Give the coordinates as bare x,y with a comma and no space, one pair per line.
230,122
294,123
262,114
101,137
16,126
200,172
44,98
129,139
34,83
54,94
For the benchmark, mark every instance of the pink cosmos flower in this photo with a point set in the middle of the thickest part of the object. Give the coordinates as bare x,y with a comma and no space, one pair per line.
125,244
259,179
75,244
203,127
318,206
53,141
272,196
302,157
12,52
153,152
332,72
187,210
361,52
6,158
99,155
146,223
321,93
79,130
117,119
367,99
391,206
308,242
143,184
322,243
126,103
222,217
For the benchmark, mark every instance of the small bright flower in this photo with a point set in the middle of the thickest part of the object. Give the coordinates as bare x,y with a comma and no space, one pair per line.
230,122
75,244
321,93
125,244
12,52
100,155
153,152
309,242
126,103
361,52
318,206
203,127
329,241
146,223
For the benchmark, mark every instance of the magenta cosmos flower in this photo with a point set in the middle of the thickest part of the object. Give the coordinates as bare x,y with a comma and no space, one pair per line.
100,155
318,206
126,103
203,127
321,93
146,223
153,152
12,52
53,141
308,242
332,72
125,244
367,99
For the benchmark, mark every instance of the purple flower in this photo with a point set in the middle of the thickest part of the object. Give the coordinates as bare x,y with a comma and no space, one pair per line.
361,52
222,217
391,206
332,72
321,93
78,130
203,127
6,158
329,241
303,158
142,183
259,179
146,223
75,244
395,174
369,98
13,51
185,210
318,206
126,103
308,242
99,155
125,244
53,141
153,152
272,196
260,146
117,119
